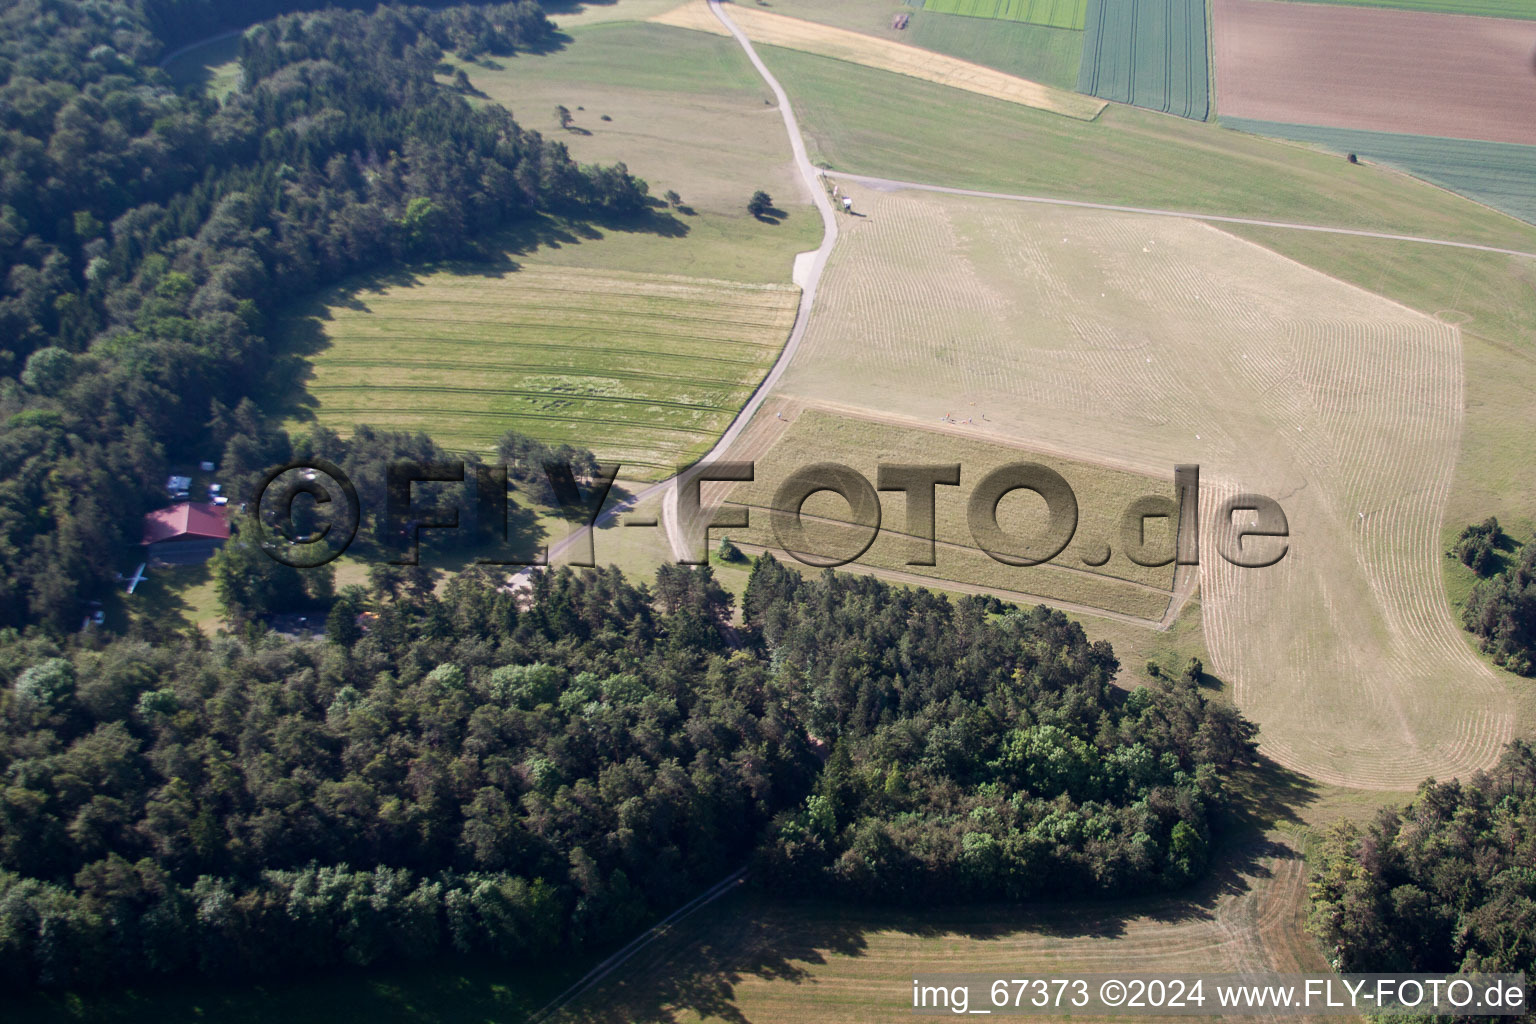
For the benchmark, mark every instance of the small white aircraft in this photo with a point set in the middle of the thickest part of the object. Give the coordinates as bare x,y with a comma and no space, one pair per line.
137,578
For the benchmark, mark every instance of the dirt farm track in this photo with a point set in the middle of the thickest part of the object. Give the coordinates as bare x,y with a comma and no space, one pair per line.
1385,70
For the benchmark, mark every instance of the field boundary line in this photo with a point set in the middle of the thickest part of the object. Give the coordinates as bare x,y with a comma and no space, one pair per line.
893,185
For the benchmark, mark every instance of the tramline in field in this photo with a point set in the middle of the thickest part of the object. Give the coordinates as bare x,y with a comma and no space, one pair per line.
1055,13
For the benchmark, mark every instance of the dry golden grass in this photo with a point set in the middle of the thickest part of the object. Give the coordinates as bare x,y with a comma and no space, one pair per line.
1141,343
885,55
1118,586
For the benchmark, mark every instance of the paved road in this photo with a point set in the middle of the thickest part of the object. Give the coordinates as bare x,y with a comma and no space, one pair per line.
892,185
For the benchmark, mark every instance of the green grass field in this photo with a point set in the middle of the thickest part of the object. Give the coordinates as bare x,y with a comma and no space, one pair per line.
1037,52
1500,174
1150,53
871,122
686,112
645,369
215,65
1055,13
1485,8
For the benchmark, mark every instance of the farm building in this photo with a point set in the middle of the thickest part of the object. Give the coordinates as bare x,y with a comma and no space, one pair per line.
184,533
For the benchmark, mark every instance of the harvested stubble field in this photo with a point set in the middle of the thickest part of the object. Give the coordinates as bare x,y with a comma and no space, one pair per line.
884,55
1412,72
869,122
687,113
645,369
1056,13
1501,174
1149,53
824,435
1140,343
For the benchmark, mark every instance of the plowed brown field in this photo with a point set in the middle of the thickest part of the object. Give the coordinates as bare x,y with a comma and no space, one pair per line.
1384,70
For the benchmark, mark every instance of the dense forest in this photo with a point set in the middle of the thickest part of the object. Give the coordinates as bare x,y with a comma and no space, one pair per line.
471,772
973,759
149,238
1501,610
1445,884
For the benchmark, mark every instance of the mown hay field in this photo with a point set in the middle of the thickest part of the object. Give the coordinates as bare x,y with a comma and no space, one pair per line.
819,434
884,55
870,122
1501,174
1055,13
1144,342
1149,53
644,369
1491,299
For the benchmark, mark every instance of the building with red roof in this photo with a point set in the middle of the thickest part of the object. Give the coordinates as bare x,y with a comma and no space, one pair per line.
185,532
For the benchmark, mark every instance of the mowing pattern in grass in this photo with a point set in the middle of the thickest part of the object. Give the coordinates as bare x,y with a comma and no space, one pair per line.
1055,13
645,369
1139,343
1103,493
1501,174
1485,8
1150,53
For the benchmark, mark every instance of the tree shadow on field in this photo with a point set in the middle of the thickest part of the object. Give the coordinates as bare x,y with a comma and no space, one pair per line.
695,968
698,968
300,335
